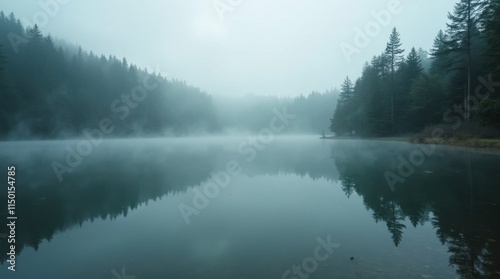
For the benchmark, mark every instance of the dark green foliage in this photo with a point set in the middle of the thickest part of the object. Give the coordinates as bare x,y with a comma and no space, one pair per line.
342,121
2,63
492,31
464,32
488,113
426,98
3,89
409,71
440,55
48,92
394,54
414,66
55,90
346,92
398,95
394,51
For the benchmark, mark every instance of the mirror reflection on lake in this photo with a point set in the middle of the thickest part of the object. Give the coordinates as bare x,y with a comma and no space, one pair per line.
297,207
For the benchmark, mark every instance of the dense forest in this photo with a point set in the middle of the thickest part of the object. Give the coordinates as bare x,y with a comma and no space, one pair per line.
49,93
52,89
453,85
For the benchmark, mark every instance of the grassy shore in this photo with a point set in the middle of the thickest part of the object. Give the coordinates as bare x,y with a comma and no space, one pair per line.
403,139
468,142
470,134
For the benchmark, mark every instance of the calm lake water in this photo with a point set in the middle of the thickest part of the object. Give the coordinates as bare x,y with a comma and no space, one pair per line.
297,207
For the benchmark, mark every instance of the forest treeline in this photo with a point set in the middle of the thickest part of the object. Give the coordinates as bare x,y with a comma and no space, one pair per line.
51,89
402,92
51,92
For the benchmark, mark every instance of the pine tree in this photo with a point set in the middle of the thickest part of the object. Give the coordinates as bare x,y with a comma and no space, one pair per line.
381,65
492,26
4,105
414,64
34,51
346,92
409,71
394,53
35,34
424,59
2,61
439,54
464,27
342,120
377,99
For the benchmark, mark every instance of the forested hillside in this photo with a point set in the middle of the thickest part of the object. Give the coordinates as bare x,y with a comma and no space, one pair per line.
395,95
51,90
47,93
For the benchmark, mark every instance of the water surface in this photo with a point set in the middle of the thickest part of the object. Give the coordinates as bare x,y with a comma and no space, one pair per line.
118,213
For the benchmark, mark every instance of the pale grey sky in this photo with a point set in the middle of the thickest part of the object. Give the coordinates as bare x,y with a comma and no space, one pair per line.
264,47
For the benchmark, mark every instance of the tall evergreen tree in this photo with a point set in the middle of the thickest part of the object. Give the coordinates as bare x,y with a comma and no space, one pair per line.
409,71
492,26
2,61
439,54
377,97
342,120
464,27
414,64
346,92
394,53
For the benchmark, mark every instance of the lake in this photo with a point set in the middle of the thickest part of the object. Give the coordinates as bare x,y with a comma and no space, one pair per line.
283,207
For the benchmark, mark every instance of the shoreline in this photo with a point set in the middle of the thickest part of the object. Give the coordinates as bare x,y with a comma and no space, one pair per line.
480,143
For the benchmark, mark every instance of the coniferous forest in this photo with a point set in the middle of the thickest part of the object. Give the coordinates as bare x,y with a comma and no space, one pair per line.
52,89
49,92
236,156
454,85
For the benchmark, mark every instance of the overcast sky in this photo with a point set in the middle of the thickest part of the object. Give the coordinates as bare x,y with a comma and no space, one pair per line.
264,47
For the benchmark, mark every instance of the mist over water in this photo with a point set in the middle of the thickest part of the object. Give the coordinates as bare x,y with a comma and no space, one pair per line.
257,139
121,208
